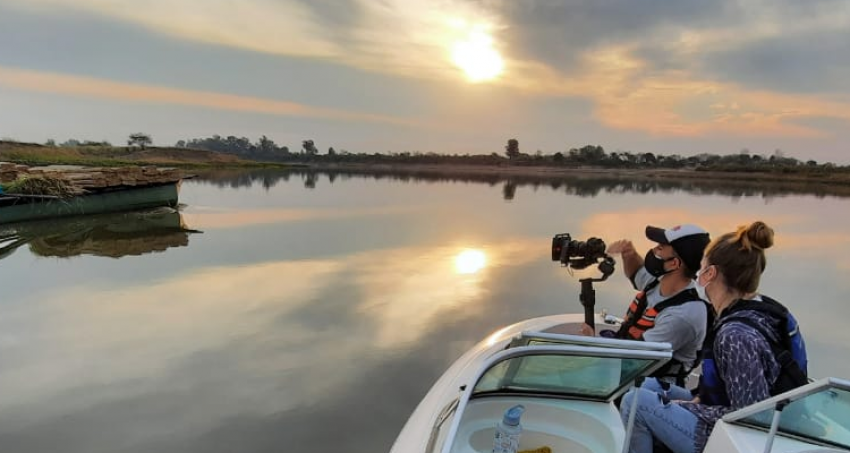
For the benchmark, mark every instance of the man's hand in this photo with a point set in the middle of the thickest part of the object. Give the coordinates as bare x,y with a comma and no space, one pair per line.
621,246
587,331
631,260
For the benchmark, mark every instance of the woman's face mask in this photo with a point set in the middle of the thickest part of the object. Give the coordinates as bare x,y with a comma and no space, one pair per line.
701,288
655,264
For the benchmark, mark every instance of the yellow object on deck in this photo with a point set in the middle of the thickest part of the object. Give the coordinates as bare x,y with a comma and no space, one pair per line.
537,450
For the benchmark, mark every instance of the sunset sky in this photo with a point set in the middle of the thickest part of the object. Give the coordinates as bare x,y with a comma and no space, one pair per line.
448,76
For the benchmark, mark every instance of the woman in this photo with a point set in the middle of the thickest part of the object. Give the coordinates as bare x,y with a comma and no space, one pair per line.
741,366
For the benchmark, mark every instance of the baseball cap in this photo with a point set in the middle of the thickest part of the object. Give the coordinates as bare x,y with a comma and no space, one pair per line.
688,241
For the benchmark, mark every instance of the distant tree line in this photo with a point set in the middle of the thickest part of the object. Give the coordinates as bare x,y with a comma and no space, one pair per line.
265,149
585,156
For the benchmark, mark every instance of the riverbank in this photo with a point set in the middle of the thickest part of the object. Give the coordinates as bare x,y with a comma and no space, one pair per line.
114,156
111,156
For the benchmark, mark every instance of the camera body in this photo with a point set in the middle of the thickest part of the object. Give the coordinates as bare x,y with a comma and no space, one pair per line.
570,252
574,254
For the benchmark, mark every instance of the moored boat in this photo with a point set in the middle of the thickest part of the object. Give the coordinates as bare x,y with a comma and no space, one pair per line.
19,208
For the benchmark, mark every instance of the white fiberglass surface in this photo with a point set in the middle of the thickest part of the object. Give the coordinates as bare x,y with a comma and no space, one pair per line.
822,416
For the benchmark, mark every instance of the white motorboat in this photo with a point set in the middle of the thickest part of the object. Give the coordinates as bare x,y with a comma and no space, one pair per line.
568,384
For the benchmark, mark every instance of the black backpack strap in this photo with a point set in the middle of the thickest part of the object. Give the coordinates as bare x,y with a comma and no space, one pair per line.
769,307
688,295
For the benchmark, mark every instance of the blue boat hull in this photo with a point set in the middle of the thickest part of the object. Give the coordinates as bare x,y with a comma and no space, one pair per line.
23,209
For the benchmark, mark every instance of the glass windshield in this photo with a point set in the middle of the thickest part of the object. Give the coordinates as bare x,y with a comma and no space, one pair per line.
597,378
823,417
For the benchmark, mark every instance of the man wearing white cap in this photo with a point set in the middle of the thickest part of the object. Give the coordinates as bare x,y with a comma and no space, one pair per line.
667,307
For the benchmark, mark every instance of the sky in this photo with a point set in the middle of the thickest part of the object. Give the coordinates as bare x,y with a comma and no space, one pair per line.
446,76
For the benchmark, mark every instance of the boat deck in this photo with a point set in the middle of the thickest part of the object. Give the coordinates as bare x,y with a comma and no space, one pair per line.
561,425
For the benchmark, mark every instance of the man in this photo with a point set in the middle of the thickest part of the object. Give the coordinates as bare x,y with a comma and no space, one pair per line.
667,307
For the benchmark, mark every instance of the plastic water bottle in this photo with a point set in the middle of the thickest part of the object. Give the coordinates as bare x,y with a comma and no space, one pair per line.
508,431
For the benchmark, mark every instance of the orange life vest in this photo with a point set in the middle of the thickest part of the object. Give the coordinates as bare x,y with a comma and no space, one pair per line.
640,318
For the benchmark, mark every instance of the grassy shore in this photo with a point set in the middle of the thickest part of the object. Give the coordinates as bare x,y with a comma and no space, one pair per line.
112,156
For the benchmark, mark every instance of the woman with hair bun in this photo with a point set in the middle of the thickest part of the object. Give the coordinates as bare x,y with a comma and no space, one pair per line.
753,351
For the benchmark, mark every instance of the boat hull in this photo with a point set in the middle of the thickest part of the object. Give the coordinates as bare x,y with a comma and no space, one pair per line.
112,201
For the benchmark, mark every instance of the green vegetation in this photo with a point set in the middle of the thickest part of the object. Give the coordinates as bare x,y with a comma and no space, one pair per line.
41,185
102,154
241,151
586,156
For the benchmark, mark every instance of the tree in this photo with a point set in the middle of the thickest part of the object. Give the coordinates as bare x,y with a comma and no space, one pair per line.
309,147
648,158
331,151
139,139
512,149
180,144
266,145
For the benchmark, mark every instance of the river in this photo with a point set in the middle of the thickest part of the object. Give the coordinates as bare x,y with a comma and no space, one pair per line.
300,311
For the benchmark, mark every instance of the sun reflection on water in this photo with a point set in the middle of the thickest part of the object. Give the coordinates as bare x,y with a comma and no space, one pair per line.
470,261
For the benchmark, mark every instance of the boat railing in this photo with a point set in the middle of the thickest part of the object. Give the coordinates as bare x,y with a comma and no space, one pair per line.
527,338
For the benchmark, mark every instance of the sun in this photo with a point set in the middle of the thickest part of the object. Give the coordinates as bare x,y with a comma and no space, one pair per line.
470,261
477,58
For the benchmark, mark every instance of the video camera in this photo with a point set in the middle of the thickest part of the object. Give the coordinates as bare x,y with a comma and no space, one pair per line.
577,254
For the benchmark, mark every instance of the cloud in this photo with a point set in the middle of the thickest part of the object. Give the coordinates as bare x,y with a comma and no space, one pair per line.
787,63
409,37
655,67
628,94
62,84
650,66
261,25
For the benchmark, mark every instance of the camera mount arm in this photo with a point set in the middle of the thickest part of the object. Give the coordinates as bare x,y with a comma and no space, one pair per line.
588,294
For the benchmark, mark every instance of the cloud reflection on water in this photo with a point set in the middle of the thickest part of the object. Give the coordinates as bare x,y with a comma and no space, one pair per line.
244,331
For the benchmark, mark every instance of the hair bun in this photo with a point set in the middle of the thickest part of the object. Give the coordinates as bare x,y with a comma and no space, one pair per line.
757,236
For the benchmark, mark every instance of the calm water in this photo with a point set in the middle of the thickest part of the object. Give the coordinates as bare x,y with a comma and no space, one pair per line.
299,312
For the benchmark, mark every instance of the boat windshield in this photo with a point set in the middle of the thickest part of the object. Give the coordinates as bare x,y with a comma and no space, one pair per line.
598,378
820,414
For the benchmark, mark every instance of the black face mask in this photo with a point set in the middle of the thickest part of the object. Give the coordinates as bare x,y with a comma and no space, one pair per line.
655,265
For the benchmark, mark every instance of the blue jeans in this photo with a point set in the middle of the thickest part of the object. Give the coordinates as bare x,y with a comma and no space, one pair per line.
660,418
673,392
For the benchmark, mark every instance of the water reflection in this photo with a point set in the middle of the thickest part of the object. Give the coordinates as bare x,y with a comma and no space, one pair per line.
107,235
590,184
238,353
318,318
470,261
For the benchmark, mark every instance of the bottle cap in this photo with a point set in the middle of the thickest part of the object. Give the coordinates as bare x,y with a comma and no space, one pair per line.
512,415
